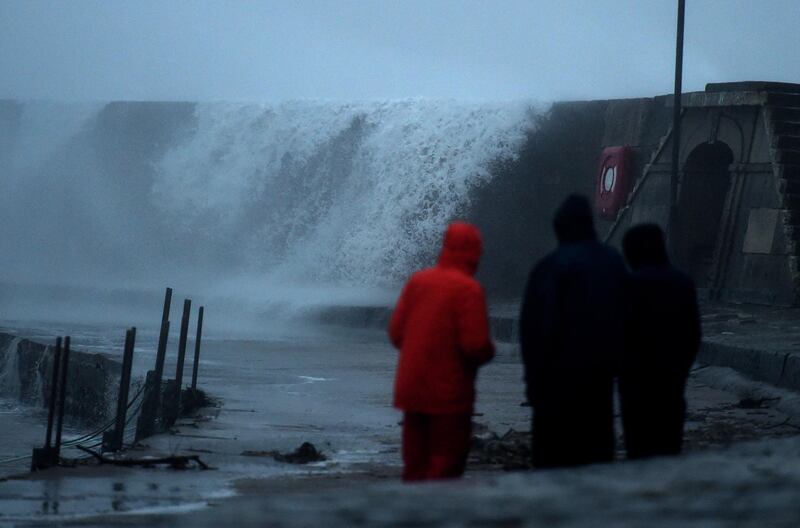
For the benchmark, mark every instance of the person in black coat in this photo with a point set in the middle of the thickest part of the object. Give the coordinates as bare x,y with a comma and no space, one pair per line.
571,333
662,339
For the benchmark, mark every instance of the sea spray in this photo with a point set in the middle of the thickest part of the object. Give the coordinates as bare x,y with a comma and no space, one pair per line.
45,127
333,193
10,382
264,210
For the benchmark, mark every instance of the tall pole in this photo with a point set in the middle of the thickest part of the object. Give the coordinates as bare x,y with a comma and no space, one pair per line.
161,351
187,310
151,404
113,440
676,125
197,348
53,393
62,389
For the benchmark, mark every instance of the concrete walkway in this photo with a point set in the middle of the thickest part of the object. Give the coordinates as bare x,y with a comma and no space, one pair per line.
742,466
725,480
761,342
755,484
721,474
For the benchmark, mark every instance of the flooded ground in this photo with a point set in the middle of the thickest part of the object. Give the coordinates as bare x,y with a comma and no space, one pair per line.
330,387
23,428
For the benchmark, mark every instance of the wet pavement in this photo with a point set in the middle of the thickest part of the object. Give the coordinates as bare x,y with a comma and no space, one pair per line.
334,389
22,428
769,328
749,485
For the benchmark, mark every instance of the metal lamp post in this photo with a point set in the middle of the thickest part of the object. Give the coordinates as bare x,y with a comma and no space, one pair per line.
676,125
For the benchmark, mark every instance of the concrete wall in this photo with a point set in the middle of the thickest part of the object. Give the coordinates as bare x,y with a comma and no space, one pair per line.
561,156
514,209
752,258
26,375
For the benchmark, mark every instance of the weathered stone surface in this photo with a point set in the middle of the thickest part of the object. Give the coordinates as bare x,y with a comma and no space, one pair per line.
760,233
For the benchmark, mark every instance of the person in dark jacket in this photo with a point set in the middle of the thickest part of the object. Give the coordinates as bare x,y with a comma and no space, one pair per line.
662,339
571,332
441,326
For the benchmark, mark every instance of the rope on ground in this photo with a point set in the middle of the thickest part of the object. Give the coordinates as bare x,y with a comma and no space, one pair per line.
109,425
15,459
175,461
89,436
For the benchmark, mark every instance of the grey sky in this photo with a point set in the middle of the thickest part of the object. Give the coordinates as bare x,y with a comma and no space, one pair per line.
369,49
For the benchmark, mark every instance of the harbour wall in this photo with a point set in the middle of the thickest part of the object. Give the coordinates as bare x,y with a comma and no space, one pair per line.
26,376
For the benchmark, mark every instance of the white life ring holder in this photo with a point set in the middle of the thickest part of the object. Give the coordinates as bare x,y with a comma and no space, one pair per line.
609,180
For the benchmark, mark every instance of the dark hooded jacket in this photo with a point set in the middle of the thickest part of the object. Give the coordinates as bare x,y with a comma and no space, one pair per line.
440,325
571,331
662,339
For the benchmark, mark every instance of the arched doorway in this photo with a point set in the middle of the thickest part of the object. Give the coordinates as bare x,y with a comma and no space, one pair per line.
705,183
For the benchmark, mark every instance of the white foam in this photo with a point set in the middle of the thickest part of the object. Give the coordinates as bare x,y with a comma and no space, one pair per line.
265,212
10,383
354,194
312,379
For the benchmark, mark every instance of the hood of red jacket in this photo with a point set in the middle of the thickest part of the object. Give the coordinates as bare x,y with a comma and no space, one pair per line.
462,247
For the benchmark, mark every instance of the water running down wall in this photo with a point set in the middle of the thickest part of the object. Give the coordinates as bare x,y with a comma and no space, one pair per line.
26,376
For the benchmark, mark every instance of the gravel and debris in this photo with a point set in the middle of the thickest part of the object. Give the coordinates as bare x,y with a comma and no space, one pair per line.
304,454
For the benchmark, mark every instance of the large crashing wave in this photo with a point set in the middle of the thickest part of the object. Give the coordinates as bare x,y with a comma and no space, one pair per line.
342,193
296,204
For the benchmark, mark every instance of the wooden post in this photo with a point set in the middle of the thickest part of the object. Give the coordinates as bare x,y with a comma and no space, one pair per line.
171,405
146,425
197,348
187,308
43,457
62,398
161,352
112,440
53,393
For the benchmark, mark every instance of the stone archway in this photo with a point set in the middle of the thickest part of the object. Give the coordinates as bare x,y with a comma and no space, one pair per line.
705,183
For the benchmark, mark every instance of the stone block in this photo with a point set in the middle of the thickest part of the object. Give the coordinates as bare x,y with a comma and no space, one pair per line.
760,233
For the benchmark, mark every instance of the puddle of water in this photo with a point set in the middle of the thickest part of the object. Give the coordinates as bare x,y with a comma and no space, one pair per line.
133,493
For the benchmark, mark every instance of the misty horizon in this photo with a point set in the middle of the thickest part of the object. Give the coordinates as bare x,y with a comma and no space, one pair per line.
364,51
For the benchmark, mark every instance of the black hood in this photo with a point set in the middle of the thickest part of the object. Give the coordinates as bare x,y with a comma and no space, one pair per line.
644,246
573,220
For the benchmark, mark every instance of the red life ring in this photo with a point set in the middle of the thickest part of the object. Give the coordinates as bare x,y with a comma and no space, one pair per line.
613,181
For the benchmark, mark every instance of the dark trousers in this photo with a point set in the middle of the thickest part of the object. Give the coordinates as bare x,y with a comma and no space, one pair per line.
652,416
435,446
573,421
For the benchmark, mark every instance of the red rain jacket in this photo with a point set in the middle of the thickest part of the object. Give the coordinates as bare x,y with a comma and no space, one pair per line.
441,327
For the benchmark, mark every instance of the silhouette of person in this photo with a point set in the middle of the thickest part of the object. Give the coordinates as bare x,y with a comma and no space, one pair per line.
441,326
571,336
662,339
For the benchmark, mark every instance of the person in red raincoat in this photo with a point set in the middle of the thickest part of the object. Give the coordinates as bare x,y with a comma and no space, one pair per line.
440,325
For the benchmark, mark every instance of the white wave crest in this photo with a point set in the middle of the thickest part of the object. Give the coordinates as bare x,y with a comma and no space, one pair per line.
351,193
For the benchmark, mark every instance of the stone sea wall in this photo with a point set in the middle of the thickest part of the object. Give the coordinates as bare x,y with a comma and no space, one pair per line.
26,375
